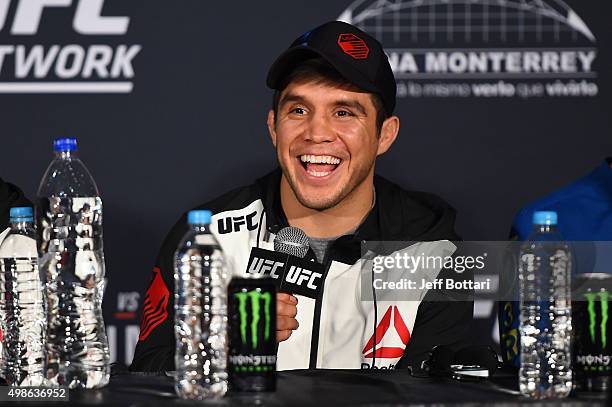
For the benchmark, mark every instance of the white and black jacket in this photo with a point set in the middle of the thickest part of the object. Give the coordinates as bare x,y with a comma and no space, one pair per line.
336,329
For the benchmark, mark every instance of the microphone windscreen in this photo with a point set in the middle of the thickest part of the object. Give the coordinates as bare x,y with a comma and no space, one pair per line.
292,241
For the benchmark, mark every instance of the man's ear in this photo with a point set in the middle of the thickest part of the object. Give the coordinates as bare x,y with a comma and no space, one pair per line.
272,126
388,134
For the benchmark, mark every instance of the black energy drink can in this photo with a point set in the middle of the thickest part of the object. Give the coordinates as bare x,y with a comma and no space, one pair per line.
591,323
252,334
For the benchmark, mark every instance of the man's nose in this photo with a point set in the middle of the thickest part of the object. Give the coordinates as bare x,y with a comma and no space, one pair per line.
320,129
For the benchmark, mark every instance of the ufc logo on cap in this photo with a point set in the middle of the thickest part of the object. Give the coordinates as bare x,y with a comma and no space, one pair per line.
354,46
88,19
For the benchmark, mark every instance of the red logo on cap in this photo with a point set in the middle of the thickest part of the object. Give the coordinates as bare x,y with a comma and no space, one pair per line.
354,46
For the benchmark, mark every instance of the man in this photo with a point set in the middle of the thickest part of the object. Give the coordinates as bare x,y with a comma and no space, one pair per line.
331,117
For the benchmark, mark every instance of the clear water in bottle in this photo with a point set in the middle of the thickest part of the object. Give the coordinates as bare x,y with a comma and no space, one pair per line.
546,318
2,317
22,313
200,312
72,258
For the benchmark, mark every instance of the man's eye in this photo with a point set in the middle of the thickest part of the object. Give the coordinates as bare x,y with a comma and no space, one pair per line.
298,110
343,113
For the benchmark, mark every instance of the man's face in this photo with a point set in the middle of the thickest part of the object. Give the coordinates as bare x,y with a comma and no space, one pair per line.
326,141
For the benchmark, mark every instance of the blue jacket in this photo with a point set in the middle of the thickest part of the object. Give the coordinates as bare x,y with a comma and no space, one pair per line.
584,209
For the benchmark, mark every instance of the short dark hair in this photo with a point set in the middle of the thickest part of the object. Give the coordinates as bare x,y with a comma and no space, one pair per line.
321,71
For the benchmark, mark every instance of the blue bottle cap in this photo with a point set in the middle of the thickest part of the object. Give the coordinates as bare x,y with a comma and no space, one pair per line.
199,217
22,214
545,218
64,144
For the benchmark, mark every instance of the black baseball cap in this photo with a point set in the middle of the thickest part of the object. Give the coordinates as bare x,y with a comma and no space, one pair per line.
356,55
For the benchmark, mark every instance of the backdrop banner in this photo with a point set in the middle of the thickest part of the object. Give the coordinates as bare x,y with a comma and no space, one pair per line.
501,101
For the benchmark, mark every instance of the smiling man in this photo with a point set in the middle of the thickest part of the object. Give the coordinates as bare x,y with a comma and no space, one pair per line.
327,133
332,116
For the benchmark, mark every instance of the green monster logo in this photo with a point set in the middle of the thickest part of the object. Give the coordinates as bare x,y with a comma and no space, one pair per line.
591,298
256,297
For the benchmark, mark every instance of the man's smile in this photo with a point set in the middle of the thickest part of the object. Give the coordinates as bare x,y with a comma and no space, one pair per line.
319,166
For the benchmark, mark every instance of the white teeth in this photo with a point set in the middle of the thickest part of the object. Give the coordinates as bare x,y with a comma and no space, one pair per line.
319,174
319,159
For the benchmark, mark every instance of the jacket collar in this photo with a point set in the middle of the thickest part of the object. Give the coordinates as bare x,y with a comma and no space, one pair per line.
397,214
275,215
269,186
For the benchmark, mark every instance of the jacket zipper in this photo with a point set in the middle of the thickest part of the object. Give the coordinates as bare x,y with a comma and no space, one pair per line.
314,341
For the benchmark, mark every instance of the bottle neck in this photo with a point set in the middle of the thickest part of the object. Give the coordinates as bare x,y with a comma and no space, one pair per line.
200,228
66,155
20,224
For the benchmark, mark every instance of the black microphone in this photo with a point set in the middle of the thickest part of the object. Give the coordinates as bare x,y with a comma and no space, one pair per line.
289,241
286,264
301,276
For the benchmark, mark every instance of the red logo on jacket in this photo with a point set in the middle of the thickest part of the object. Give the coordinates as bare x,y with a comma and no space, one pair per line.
401,330
155,305
354,46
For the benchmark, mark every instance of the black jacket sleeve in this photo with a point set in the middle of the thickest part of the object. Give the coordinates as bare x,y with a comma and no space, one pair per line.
155,348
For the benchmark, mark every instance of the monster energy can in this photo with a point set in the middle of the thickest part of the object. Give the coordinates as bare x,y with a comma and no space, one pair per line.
591,325
252,334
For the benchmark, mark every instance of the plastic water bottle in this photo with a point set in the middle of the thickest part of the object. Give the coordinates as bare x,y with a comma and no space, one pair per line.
546,318
200,312
22,312
1,348
71,256
2,317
